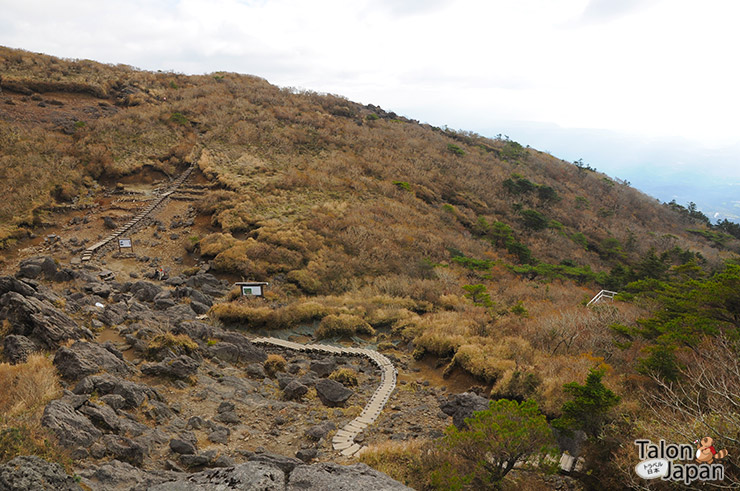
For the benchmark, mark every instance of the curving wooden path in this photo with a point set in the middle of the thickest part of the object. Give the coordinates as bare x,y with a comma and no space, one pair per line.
343,440
87,254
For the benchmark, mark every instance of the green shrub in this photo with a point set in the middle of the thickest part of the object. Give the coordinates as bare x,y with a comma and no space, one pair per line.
179,118
402,185
372,117
455,149
534,219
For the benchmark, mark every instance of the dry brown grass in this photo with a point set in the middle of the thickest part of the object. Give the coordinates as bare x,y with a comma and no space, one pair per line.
27,386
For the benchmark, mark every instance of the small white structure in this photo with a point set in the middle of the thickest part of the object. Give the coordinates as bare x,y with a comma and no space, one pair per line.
602,295
251,288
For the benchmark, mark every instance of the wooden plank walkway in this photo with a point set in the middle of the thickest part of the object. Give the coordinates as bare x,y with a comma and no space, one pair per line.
88,253
343,440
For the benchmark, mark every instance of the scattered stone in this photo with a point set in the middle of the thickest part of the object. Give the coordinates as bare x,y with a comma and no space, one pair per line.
318,432
294,390
255,370
307,454
332,393
323,368
125,449
182,447
249,475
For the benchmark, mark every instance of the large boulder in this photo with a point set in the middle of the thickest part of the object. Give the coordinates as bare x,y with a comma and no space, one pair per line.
83,359
39,320
461,406
328,475
181,367
332,393
145,291
31,473
11,284
33,267
17,348
323,368
294,390
72,428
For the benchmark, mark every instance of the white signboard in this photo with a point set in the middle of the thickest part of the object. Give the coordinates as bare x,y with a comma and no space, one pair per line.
255,290
124,244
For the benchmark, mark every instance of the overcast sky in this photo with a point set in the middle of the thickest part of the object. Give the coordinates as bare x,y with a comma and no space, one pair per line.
645,90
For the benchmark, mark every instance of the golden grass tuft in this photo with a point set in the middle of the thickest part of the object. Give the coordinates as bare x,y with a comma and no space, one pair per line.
274,363
28,385
345,376
342,325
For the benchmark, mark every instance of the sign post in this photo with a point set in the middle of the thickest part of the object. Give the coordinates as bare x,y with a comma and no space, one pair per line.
125,244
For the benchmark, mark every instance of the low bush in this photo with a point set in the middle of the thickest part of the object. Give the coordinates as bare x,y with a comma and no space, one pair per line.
274,363
343,325
178,344
345,376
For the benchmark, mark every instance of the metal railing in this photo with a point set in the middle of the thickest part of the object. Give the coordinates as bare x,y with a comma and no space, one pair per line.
602,294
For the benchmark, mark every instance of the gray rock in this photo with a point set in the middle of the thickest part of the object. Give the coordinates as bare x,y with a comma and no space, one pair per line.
71,427
34,267
323,368
39,320
285,464
109,223
307,454
220,434
255,370
83,359
11,284
180,312
120,475
295,390
125,449
133,394
17,348
145,291
332,393
182,447
249,475
102,417
181,367
320,431
461,406
31,473
113,314
195,329
332,476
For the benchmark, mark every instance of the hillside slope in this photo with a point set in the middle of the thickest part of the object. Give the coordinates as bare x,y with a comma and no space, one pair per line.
474,254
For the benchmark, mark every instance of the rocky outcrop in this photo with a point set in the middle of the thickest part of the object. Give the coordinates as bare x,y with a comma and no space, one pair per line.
461,406
31,473
250,475
39,320
181,367
132,394
83,359
319,477
332,393
71,428
17,348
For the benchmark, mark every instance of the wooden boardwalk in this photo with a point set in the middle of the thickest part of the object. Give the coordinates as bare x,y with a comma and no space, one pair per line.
135,222
343,440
